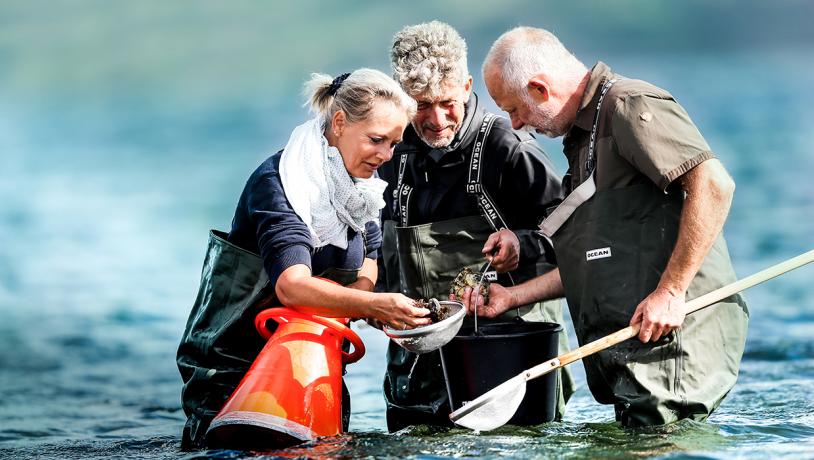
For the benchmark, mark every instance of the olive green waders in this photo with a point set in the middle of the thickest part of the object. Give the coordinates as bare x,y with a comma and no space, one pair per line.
422,261
220,342
431,255
611,252
687,373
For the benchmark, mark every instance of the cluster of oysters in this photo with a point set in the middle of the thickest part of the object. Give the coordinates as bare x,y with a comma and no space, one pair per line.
469,279
466,278
438,312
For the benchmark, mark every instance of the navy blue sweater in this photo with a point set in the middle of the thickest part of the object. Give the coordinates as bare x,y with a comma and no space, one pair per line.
266,224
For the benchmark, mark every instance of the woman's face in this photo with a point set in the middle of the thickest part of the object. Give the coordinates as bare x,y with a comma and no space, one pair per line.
368,143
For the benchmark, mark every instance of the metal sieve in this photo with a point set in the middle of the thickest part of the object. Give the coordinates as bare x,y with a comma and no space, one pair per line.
424,339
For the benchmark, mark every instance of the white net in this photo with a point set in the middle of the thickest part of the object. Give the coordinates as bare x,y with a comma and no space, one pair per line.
500,405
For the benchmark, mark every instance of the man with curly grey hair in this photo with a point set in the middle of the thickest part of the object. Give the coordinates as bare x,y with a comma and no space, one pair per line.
458,182
429,61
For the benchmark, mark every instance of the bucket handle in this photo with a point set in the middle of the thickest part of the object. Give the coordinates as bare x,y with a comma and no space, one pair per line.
286,314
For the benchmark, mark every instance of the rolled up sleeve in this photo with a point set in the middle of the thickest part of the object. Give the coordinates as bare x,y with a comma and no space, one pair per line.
658,138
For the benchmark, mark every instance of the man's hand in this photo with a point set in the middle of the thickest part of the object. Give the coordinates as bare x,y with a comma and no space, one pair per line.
709,194
659,313
500,301
507,245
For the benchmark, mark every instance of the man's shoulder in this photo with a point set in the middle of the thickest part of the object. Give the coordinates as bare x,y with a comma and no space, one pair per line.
629,99
627,88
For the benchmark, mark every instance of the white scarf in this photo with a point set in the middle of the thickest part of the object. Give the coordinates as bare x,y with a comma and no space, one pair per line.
321,191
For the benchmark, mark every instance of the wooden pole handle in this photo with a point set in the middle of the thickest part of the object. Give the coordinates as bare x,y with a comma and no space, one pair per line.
752,280
692,306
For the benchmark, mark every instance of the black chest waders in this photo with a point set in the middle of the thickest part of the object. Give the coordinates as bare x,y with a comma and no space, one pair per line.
429,257
612,247
220,342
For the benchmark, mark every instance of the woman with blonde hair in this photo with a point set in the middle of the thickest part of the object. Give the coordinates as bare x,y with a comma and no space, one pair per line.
308,212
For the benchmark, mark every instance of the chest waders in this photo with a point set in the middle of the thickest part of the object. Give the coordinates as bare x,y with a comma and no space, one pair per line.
612,247
220,342
429,256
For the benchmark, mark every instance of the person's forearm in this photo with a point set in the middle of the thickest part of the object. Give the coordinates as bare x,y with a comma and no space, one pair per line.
296,287
366,280
709,196
544,287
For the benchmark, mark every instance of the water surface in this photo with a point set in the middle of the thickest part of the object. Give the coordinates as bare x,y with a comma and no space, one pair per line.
108,192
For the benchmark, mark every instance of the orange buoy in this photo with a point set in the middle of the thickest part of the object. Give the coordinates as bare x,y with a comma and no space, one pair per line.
293,391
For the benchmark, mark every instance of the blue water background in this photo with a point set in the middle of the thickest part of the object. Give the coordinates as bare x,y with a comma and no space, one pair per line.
128,129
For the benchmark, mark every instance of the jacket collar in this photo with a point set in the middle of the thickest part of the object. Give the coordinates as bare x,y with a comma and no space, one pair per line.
587,107
466,134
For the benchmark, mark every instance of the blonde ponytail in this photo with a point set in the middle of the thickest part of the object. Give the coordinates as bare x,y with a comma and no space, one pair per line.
354,94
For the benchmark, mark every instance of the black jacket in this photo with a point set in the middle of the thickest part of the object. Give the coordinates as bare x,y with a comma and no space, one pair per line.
517,174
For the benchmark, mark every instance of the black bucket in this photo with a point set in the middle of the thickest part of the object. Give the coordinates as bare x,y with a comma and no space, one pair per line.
474,364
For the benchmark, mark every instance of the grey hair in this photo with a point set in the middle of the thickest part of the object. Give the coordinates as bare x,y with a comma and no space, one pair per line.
425,55
356,96
524,52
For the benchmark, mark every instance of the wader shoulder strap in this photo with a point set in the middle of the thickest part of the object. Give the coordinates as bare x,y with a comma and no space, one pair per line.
585,190
402,192
473,185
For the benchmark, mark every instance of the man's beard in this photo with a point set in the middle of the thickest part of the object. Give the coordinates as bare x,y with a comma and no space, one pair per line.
547,124
437,143
544,121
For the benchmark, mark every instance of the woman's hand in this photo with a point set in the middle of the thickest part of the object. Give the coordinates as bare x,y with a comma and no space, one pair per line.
399,312
373,322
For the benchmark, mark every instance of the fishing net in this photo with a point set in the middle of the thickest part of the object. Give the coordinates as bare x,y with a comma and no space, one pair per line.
493,408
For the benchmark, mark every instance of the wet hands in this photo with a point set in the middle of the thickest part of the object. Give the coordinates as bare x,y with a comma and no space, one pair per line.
500,300
659,313
503,249
401,312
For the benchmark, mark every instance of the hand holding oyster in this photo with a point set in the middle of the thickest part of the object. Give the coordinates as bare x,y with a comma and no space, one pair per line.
438,312
469,279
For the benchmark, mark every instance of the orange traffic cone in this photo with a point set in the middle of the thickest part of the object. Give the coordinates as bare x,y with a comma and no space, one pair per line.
293,391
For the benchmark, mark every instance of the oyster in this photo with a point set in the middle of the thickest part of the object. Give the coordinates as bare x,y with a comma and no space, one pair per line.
468,279
438,312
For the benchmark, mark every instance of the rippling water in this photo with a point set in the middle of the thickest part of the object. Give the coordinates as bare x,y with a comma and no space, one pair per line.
103,243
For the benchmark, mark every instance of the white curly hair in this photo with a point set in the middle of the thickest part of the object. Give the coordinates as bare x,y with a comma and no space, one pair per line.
426,55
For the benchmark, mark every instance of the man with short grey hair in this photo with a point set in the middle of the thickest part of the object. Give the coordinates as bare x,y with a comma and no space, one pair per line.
452,204
641,231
